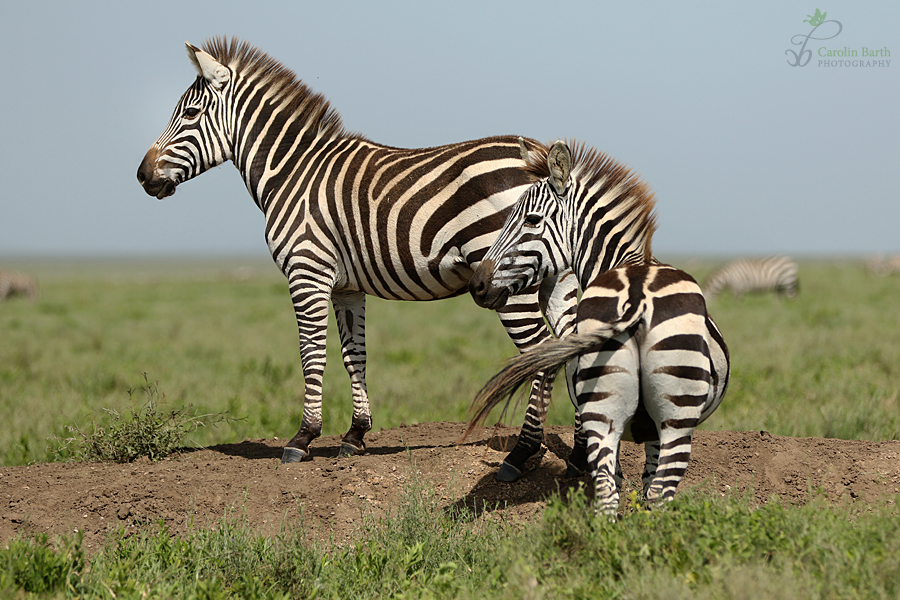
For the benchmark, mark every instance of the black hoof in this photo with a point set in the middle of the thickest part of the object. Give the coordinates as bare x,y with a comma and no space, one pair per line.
349,450
292,455
508,473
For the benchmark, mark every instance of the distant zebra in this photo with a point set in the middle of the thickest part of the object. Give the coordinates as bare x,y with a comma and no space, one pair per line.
650,363
776,273
883,266
346,217
13,283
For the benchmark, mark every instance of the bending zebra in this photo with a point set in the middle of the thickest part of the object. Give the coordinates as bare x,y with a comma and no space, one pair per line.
346,217
13,283
650,364
776,273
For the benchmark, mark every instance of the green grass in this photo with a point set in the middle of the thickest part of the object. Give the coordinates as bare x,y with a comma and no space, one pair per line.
220,344
701,546
825,364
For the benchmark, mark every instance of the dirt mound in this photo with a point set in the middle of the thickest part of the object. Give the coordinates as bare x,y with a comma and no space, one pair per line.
331,496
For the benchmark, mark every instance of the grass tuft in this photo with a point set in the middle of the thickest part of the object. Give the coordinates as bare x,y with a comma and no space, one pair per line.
149,432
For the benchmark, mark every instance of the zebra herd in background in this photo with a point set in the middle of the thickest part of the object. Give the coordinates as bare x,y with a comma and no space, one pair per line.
14,283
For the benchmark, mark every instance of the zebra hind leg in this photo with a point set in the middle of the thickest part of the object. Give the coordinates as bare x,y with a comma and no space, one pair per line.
350,314
674,456
651,449
607,394
604,465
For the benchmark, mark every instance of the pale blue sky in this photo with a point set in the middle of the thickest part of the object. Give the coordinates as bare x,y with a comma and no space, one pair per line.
747,155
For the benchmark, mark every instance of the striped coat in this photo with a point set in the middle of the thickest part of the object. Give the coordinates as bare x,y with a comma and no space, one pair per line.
773,274
345,216
14,283
649,362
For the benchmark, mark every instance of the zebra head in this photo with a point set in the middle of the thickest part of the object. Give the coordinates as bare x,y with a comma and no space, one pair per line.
534,241
196,137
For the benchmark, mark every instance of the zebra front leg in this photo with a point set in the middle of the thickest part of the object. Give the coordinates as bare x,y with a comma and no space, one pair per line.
350,314
559,303
525,325
311,309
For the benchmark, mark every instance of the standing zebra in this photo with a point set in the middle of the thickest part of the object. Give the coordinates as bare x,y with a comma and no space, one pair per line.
346,217
775,273
13,283
649,362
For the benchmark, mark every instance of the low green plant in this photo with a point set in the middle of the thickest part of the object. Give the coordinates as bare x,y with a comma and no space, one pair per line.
36,566
709,546
149,431
702,545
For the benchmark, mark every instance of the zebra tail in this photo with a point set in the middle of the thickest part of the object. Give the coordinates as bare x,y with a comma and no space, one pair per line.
546,358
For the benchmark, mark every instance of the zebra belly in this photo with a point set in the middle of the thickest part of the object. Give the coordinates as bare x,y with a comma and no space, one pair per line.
445,278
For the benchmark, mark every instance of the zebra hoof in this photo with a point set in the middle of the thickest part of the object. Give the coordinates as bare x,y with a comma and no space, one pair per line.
349,450
508,473
292,455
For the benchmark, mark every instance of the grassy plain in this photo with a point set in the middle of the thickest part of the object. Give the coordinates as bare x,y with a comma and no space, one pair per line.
220,336
701,546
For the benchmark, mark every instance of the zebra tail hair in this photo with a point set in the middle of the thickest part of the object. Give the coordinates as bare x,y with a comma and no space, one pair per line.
546,358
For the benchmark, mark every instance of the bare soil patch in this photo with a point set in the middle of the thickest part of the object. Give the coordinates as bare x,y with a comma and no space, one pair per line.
329,496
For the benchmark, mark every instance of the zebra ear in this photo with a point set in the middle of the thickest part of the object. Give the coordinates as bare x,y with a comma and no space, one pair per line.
559,160
208,68
523,150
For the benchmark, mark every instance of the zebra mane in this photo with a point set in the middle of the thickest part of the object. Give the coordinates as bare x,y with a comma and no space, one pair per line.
601,174
250,61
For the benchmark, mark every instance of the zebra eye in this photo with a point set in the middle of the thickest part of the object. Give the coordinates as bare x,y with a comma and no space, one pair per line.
533,219
191,112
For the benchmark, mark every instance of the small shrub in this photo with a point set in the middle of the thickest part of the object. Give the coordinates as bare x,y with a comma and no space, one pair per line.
149,431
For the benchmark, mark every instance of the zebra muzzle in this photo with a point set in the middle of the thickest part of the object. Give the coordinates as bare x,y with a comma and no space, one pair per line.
485,294
161,187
